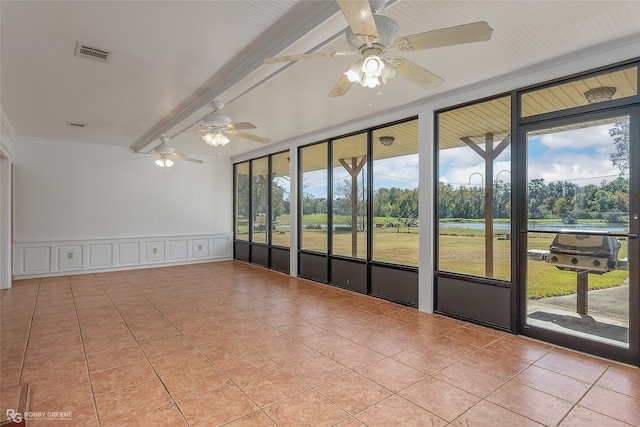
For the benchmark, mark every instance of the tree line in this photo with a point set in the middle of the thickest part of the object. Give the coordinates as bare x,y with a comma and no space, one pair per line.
554,200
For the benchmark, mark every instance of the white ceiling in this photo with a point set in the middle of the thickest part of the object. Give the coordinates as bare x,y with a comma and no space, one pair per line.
171,58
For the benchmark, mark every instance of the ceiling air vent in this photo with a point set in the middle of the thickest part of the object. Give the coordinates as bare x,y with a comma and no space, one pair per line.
92,52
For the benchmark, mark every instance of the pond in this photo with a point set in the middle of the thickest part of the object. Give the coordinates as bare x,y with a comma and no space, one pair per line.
546,226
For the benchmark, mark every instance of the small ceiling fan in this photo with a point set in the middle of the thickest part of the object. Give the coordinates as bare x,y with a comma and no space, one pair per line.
166,154
372,35
216,125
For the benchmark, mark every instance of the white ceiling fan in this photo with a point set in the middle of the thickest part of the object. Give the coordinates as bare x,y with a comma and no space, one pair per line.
166,154
372,35
216,125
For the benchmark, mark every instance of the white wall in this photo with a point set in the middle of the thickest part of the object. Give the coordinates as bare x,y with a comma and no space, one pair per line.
83,196
6,160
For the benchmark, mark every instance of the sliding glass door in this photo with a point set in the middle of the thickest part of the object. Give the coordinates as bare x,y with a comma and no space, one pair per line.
579,240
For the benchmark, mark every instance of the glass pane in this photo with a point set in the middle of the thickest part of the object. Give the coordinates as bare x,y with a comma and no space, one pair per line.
260,180
313,201
578,220
395,194
350,196
474,191
601,88
280,200
242,201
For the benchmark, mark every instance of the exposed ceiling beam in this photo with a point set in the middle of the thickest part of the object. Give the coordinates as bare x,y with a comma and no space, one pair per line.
302,18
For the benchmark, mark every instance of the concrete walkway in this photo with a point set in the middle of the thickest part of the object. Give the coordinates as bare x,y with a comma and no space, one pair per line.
607,316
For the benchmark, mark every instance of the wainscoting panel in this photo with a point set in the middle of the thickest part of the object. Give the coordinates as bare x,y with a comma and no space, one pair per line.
129,253
36,258
42,259
178,250
70,257
100,255
200,248
219,247
154,251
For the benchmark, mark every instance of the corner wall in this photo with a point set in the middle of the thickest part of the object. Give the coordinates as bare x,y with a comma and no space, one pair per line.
83,207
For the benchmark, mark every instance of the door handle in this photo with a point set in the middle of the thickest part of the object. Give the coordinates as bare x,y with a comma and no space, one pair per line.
632,235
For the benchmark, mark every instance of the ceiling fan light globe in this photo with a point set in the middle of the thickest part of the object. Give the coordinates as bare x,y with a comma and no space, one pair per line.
354,74
372,66
370,82
388,73
164,163
216,139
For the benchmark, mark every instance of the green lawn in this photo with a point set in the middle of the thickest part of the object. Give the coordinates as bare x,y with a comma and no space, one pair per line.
461,251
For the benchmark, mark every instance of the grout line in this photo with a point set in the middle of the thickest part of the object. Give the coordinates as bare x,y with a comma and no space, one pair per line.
26,344
86,358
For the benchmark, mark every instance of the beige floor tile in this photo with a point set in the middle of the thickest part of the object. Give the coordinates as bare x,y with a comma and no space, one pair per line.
442,399
581,417
470,379
122,376
217,407
613,404
396,411
272,386
130,402
168,416
101,341
486,414
354,356
354,392
531,403
192,382
308,408
392,374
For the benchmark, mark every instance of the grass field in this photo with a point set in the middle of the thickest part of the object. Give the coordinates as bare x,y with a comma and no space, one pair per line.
461,250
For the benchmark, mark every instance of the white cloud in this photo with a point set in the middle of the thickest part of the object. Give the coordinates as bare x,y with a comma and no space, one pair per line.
591,137
580,169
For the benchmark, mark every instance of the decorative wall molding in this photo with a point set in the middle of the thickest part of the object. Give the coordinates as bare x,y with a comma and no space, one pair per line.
56,258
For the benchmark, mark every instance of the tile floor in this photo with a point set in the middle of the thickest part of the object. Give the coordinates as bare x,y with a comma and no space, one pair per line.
231,344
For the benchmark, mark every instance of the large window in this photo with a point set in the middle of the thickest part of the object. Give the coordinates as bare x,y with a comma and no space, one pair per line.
395,194
242,201
262,211
350,196
280,200
259,196
474,190
313,201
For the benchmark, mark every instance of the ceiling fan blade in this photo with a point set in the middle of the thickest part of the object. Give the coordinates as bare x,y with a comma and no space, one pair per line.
360,18
188,159
416,74
460,34
342,86
242,125
303,56
251,137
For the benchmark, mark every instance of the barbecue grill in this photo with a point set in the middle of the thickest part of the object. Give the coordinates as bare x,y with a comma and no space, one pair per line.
583,251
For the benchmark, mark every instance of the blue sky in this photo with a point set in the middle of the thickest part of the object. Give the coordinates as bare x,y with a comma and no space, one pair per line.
580,156
400,172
